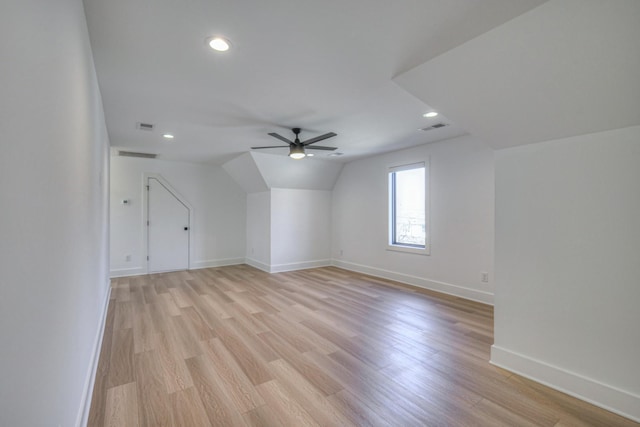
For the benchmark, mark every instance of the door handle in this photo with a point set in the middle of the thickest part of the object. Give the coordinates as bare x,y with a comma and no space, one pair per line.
186,229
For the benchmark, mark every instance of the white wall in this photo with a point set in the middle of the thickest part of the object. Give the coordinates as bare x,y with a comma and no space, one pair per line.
288,229
259,230
288,209
567,270
462,218
219,205
53,209
300,229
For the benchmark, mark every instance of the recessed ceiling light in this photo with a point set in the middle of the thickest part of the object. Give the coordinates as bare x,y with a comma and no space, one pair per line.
430,114
218,43
168,136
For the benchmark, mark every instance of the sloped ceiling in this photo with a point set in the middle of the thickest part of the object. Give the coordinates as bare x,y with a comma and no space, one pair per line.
320,65
568,67
245,172
310,174
257,172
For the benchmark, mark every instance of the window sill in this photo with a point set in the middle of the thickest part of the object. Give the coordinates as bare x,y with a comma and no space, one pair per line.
408,249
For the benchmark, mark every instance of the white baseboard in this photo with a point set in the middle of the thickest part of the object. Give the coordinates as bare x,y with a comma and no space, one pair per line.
279,268
595,392
85,407
258,264
434,285
125,272
139,271
216,263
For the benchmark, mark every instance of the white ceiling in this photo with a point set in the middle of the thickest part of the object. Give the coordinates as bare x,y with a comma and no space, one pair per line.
568,67
319,65
256,172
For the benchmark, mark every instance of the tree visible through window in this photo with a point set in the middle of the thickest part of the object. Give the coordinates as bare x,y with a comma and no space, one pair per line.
407,199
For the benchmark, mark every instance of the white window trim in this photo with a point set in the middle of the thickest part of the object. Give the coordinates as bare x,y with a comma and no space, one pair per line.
427,244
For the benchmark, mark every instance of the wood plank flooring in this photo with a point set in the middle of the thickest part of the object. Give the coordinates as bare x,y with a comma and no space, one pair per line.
234,346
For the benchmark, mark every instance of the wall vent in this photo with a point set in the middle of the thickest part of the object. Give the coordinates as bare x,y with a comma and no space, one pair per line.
144,126
436,126
134,154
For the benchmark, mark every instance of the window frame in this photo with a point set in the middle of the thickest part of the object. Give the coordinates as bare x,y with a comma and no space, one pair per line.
399,247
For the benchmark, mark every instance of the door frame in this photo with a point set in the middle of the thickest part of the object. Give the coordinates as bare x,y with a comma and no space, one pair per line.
145,216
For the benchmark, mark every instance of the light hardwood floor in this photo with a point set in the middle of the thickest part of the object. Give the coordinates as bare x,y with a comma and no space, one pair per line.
234,346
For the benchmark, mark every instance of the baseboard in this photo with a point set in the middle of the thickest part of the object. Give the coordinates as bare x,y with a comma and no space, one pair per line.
258,264
216,263
125,272
279,268
434,285
139,271
85,407
595,392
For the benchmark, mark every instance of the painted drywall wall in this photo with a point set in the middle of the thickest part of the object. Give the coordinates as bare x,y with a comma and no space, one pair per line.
259,230
300,229
287,228
567,270
54,213
219,209
461,218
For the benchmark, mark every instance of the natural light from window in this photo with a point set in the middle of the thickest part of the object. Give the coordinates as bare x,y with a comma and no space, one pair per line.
408,206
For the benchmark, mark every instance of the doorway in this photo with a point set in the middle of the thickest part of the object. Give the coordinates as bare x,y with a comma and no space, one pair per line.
168,227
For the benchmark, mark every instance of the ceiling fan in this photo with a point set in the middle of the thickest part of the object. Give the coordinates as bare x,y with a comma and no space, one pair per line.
297,147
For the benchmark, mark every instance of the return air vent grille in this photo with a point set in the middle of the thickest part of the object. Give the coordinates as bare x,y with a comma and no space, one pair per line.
134,154
144,126
436,126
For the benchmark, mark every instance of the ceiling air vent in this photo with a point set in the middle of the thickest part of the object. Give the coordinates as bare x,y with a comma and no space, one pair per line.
134,154
436,126
144,126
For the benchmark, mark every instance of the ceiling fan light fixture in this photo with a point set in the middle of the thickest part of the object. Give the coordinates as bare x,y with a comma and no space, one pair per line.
219,44
296,147
297,152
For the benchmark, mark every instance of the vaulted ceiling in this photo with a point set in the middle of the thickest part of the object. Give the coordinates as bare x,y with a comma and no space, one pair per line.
319,65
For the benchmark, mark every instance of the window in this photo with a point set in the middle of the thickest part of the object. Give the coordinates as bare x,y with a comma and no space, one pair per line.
408,225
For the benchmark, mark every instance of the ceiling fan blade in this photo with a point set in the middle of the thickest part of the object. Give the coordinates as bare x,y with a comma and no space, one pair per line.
321,148
281,138
270,146
318,138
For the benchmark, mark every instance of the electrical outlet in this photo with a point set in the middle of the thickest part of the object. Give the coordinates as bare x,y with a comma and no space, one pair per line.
484,277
